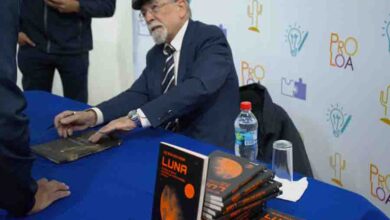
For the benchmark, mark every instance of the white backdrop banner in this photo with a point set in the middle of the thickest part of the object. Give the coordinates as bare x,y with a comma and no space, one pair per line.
328,64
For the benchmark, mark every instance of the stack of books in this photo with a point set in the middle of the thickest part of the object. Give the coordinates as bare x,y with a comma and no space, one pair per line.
237,188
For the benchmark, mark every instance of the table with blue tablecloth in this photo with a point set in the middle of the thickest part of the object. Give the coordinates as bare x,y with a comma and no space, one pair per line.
118,183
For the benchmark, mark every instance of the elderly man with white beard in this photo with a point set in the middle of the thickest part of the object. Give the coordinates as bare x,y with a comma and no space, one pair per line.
189,84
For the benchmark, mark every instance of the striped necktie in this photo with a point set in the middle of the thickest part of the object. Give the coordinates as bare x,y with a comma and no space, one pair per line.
169,69
169,81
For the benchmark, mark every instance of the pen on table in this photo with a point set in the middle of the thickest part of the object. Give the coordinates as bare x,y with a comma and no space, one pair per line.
52,125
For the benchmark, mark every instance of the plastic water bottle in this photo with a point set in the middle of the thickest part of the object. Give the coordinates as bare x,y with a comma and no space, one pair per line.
246,133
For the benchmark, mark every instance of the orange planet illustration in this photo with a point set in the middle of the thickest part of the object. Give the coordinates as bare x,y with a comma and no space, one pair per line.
226,168
169,205
189,191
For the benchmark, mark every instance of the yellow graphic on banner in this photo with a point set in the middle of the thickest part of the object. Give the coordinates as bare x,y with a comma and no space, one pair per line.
255,9
251,74
379,185
384,99
338,165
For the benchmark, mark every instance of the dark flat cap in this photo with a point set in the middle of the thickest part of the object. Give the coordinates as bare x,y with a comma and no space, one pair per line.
137,4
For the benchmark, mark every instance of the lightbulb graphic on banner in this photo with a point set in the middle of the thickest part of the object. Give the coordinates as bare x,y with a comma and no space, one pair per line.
386,33
338,119
296,38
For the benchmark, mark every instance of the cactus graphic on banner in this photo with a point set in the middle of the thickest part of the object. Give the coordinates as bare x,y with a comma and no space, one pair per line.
296,38
251,74
255,9
345,50
338,119
384,99
296,89
386,30
337,165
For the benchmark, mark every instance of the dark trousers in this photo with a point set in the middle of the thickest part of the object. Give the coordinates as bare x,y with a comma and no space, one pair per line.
17,188
38,68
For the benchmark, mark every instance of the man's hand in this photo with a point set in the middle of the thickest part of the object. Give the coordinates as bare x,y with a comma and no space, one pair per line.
23,39
120,124
47,193
69,121
64,6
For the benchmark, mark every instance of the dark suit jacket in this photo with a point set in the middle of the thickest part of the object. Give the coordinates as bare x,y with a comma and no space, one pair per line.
17,188
206,98
62,33
275,124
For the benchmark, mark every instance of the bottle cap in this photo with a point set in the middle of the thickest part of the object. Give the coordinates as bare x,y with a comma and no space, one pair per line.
246,105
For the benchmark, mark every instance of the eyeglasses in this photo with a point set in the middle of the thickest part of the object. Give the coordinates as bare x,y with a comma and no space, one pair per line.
154,9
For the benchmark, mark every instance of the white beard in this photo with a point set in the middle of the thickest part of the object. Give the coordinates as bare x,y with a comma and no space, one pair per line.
160,34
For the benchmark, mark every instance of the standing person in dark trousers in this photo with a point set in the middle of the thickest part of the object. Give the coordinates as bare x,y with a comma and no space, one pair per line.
56,34
19,193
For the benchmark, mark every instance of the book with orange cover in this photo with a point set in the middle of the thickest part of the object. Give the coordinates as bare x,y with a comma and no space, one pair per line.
265,213
267,189
269,213
260,179
227,174
180,184
251,214
254,206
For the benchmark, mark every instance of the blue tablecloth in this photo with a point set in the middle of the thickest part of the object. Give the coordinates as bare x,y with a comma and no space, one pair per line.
119,183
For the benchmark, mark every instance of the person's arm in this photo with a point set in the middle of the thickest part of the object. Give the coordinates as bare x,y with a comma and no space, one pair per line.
131,99
209,72
23,38
97,8
86,8
69,121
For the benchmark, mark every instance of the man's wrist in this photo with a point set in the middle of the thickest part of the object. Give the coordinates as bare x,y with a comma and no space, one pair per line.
92,117
133,116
